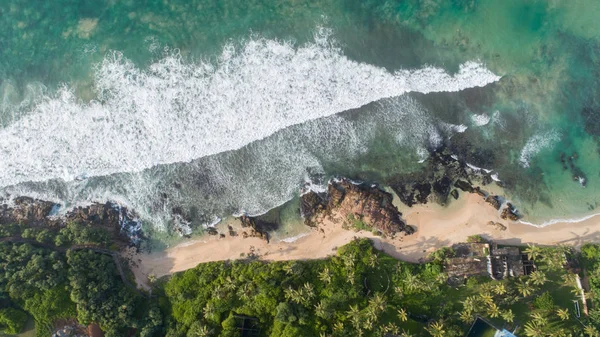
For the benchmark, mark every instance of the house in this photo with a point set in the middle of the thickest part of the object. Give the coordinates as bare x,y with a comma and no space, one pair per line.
480,259
470,259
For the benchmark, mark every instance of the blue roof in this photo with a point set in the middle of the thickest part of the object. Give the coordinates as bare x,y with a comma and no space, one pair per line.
504,333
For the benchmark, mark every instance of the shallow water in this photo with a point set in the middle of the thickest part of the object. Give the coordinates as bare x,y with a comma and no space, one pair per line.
191,110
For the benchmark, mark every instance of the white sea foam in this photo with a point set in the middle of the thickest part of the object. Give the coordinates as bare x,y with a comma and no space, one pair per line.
537,143
480,120
557,221
294,238
176,111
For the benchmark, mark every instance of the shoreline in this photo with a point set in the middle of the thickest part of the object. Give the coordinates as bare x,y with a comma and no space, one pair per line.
436,227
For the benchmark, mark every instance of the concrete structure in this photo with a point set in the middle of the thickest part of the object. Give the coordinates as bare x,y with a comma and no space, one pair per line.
480,259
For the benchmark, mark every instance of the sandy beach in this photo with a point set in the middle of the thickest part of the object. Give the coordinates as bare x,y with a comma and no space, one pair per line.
436,226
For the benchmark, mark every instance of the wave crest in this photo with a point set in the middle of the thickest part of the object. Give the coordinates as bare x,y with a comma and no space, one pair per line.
175,111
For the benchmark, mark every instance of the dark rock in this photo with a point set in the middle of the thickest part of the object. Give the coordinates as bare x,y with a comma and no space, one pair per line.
510,213
442,188
412,193
463,185
498,225
480,192
486,179
311,203
256,227
494,201
454,194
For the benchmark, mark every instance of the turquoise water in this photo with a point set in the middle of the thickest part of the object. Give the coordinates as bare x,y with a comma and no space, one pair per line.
190,111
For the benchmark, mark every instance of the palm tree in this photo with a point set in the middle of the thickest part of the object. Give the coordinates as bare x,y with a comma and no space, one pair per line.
469,304
508,316
308,290
411,281
465,317
399,291
486,297
436,329
499,289
229,283
354,315
406,334
371,316
391,327
290,268
562,333
534,329
349,261
198,330
372,260
533,251
569,280
538,278
493,310
320,310
538,317
338,326
209,310
378,302
591,331
325,276
441,278
563,314
402,315
351,277
524,288
246,291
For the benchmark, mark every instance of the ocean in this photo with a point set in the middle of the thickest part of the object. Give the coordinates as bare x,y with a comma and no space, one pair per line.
189,112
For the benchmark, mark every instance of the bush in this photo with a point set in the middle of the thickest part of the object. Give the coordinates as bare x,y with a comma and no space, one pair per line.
544,302
12,320
476,239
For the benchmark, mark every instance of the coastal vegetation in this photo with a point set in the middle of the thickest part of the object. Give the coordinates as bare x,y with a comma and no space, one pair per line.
56,284
364,292
70,273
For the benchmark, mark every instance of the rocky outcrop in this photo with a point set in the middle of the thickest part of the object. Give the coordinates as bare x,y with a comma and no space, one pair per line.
510,213
116,220
27,211
464,185
441,171
256,228
494,200
497,225
311,204
355,203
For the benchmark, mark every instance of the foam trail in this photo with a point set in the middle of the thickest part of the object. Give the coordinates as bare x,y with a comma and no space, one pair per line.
557,221
537,143
176,111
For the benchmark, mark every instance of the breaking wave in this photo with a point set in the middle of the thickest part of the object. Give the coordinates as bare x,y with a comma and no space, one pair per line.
537,143
177,111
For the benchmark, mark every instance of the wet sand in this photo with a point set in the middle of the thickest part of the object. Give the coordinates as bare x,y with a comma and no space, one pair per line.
436,226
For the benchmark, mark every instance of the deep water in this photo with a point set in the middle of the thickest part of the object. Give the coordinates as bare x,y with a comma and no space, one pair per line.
190,111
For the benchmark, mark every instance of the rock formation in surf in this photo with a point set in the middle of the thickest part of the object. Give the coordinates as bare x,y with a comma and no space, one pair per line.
255,227
441,171
360,206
